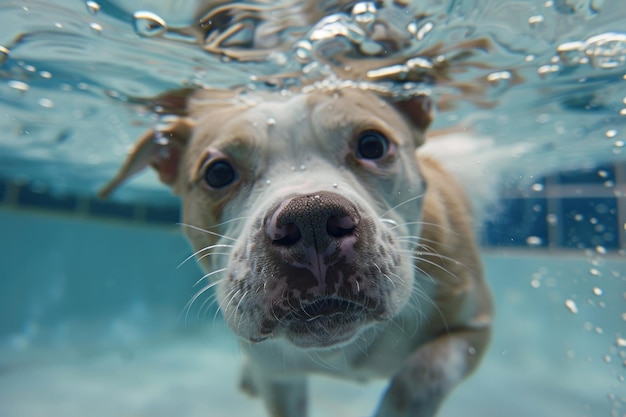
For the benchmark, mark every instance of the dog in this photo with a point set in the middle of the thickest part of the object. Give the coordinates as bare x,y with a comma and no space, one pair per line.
333,244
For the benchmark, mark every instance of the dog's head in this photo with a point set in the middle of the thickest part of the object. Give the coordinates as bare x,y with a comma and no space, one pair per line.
303,209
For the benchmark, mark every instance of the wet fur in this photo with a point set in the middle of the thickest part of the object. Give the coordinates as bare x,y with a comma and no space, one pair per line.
425,312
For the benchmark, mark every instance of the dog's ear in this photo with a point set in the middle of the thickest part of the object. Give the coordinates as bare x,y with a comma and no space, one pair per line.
418,109
161,149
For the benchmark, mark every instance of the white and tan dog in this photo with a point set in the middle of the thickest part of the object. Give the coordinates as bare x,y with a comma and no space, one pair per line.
348,253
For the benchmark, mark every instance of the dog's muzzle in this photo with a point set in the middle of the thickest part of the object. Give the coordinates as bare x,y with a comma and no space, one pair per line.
314,231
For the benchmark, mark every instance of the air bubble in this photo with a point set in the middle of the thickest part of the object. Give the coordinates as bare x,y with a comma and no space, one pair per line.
534,21
597,291
304,51
95,27
611,133
537,187
4,53
364,13
500,78
421,31
46,103
571,306
419,64
18,85
45,74
620,342
92,7
370,48
277,58
571,53
547,70
149,24
270,121
534,241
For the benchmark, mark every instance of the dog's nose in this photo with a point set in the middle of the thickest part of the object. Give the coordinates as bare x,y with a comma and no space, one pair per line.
314,220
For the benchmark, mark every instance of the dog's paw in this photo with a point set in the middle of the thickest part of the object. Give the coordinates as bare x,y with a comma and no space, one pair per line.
247,383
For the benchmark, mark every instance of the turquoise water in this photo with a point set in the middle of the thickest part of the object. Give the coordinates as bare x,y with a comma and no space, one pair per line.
92,301
539,82
92,324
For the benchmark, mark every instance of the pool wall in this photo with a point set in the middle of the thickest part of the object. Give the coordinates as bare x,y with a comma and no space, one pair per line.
583,209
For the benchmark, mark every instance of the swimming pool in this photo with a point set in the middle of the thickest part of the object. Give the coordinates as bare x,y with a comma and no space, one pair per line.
92,324
92,297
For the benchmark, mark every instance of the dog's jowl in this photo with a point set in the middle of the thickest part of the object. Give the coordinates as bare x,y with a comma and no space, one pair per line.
342,250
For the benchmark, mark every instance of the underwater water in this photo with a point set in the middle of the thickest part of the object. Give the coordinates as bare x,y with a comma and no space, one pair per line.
531,109
92,326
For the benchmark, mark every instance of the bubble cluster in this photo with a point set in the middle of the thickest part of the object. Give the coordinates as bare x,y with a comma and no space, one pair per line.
606,51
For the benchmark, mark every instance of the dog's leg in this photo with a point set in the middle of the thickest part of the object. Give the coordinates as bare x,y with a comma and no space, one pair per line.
431,372
285,397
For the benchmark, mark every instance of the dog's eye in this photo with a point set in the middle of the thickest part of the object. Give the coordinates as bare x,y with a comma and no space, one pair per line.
219,174
372,145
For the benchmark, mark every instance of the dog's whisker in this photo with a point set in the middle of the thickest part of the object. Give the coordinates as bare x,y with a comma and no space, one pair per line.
241,316
436,265
420,257
423,223
206,255
230,221
206,306
205,276
207,248
390,222
319,360
217,311
197,295
427,298
424,274
234,295
385,275
417,197
199,229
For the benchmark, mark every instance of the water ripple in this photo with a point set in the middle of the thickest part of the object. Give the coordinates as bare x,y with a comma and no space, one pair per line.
492,64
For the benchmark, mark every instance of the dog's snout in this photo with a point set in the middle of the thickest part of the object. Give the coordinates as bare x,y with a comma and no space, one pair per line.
340,226
312,220
286,235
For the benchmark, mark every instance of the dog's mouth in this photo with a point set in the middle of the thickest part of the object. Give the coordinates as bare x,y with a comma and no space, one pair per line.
324,322
323,308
